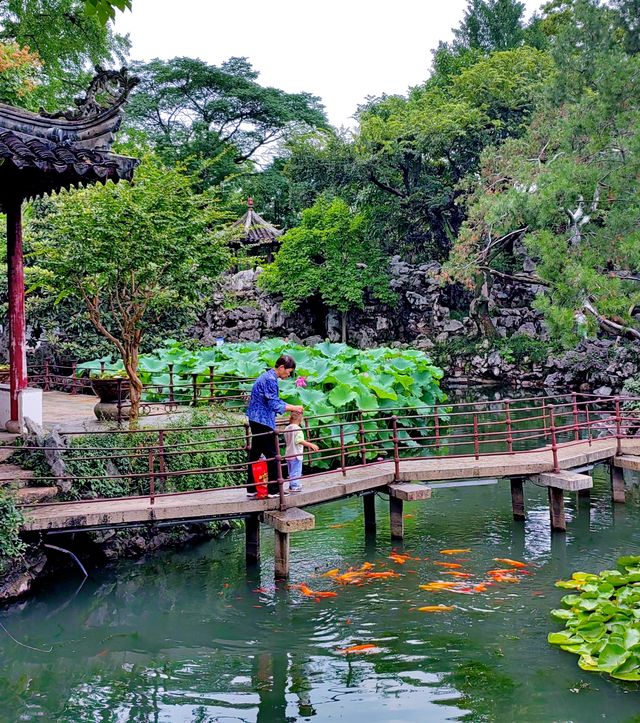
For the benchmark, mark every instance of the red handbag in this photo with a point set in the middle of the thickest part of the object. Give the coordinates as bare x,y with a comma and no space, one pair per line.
260,472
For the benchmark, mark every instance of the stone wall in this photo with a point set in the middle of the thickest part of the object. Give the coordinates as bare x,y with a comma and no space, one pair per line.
426,312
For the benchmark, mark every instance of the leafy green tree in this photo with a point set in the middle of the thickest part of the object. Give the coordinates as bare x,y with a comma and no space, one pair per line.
67,40
129,251
568,191
216,119
329,256
490,25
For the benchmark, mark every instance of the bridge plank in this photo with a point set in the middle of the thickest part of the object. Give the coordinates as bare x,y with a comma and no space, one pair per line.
566,480
627,461
292,519
410,492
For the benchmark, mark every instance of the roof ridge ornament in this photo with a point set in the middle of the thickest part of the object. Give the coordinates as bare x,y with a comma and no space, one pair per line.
108,90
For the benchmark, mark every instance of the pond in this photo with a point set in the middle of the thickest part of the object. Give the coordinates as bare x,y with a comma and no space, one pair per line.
191,636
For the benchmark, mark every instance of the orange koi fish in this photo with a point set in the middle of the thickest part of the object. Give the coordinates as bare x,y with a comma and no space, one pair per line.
313,593
368,647
366,566
398,558
438,585
458,574
454,551
336,527
450,565
436,608
513,563
381,575
331,573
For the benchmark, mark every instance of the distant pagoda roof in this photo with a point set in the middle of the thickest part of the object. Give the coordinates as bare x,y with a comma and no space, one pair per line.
257,231
42,152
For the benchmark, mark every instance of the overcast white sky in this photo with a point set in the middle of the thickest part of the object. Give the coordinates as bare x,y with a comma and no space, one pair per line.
340,50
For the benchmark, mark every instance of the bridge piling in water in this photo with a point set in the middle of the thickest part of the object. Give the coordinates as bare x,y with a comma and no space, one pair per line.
517,498
252,539
369,508
617,484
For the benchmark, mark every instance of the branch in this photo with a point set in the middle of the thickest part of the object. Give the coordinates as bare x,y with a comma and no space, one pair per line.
384,187
609,325
532,280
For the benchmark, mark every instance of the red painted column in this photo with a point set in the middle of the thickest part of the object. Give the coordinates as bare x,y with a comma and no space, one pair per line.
17,320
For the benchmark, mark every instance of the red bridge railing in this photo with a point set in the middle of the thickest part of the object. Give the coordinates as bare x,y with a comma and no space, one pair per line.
154,462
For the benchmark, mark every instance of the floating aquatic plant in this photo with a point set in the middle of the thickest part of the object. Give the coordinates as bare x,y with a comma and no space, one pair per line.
602,620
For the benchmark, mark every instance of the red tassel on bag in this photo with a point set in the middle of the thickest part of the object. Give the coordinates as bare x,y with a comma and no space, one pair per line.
260,472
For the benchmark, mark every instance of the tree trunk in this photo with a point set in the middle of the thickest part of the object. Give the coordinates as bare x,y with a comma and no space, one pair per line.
344,327
130,360
479,309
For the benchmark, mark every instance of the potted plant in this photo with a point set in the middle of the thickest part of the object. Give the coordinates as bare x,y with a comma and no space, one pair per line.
110,387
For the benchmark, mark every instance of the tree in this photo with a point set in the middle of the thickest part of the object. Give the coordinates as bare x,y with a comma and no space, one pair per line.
568,191
130,250
215,118
330,256
19,70
490,25
67,40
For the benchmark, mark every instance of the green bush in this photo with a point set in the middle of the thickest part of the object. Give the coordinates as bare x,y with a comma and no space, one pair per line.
11,520
128,454
521,348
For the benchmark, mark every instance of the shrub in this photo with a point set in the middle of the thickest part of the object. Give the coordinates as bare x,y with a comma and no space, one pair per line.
11,520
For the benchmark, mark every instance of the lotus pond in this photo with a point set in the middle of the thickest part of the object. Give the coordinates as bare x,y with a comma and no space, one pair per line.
191,636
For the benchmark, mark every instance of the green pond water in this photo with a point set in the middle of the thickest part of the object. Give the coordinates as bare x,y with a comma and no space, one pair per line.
190,635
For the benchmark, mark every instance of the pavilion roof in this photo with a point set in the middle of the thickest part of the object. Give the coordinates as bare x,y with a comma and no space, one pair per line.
43,153
256,229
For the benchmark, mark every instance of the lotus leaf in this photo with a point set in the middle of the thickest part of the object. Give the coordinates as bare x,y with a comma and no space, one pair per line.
602,622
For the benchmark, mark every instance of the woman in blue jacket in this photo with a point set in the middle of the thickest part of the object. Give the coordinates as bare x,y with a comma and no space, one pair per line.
264,405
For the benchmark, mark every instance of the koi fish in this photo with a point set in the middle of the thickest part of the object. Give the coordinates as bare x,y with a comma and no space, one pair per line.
436,608
331,573
458,574
454,551
313,593
439,585
506,578
368,647
381,575
336,527
450,565
398,558
513,563
408,516
366,566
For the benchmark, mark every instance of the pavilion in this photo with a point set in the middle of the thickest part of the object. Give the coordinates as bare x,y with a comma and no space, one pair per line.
41,154
258,237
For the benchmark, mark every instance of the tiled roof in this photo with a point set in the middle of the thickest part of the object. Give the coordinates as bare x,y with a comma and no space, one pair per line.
30,166
256,229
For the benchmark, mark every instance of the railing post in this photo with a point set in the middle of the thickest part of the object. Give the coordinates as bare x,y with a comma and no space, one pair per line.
437,426
171,396
152,481
161,460
576,419
342,451
363,443
279,471
396,449
507,409
46,375
618,427
194,384
74,389
101,368
544,418
212,384
554,441
590,436
476,441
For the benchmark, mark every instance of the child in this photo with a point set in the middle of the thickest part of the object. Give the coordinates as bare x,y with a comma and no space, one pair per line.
295,444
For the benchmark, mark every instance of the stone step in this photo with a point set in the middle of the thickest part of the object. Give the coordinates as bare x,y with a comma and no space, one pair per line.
13,476
31,495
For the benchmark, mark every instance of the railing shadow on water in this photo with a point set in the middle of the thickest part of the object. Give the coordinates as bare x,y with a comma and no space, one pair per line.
175,460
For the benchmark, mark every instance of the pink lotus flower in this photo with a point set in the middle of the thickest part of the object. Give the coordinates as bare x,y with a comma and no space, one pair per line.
301,382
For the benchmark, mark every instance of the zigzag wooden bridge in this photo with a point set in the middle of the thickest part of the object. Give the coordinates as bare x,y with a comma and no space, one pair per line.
551,455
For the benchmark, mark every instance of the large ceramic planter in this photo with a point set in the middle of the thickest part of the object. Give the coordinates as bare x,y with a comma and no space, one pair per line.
108,390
